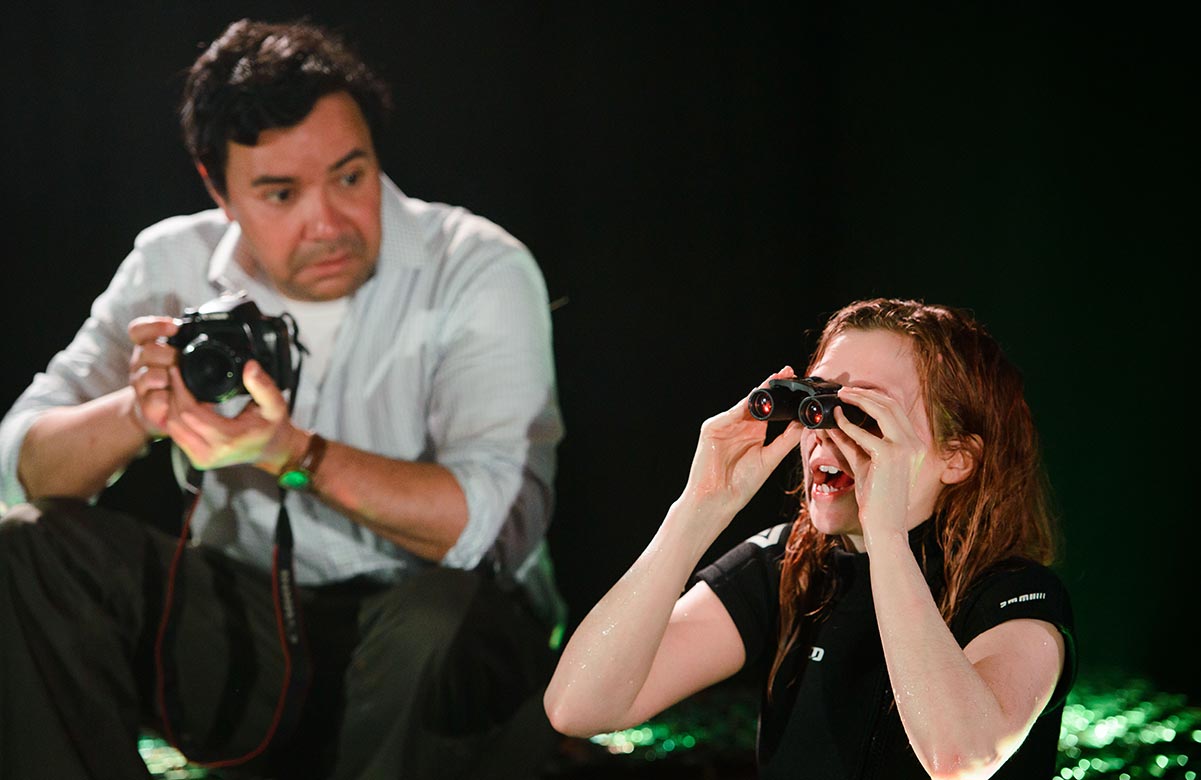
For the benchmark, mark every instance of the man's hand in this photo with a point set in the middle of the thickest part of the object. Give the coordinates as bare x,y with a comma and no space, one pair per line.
261,434
149,372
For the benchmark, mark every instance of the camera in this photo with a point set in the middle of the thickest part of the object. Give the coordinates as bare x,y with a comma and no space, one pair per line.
216,339
809,399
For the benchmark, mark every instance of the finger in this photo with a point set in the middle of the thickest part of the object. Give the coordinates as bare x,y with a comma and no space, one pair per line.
181,395
849,435
741,410
151,410
884,409
191,441
783,444
143,330
262,389
856,454
147,379
154,353
784,373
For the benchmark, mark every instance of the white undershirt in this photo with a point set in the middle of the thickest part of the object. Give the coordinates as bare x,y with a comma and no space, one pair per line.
318,323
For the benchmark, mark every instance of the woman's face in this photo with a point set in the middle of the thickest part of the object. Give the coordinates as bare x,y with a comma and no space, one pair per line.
883,361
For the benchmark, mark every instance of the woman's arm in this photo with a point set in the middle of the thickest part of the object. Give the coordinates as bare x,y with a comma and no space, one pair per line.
640,649
967,710
643,646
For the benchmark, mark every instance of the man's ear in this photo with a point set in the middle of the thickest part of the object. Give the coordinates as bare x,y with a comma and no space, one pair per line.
959,459
212,190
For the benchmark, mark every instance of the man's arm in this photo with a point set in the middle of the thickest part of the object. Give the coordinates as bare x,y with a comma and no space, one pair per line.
418,506
76,450
491,427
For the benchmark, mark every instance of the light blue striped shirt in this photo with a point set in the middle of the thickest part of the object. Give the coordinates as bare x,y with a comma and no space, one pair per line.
444,356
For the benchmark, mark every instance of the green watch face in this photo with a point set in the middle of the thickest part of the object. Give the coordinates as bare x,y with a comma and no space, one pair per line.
294,480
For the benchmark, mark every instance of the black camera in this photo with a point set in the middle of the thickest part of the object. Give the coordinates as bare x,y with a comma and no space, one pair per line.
216,340
809,399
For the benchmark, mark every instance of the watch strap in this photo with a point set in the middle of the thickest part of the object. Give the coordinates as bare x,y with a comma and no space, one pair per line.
298,474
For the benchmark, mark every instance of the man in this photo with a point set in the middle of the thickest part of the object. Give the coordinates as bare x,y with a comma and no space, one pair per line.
405,482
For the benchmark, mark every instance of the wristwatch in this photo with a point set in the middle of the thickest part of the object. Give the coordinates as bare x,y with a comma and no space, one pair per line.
298,474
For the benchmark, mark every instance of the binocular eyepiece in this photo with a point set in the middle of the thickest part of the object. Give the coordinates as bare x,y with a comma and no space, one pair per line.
810,399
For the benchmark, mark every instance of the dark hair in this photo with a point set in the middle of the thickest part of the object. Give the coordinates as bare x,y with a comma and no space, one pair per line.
974,400
258,75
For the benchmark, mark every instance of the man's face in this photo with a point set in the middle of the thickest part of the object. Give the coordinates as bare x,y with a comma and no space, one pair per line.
308,200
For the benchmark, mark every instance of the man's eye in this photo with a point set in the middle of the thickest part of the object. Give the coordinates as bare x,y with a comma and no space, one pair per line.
279,196
352,178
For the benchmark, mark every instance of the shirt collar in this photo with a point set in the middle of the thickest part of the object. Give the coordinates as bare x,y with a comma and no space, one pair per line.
402,243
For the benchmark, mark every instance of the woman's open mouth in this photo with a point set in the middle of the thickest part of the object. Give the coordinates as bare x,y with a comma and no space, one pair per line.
827,480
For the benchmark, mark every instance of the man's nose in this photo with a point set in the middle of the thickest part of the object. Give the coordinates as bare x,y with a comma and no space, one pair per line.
324,220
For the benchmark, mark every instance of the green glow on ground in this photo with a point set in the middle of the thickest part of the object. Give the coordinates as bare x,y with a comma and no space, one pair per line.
1122,730
1112,730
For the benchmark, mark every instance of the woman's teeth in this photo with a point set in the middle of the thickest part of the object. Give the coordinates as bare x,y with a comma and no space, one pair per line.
833,480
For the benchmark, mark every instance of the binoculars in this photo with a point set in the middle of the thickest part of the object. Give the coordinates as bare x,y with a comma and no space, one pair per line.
810,399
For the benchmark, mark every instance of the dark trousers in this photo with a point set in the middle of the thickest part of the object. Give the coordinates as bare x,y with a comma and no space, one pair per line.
439,676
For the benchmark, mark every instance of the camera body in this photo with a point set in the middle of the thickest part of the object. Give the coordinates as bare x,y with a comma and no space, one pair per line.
216,339
810,399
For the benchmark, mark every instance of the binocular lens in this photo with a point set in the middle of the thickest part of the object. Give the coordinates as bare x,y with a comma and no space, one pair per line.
810,400
812,413
761,405
818,412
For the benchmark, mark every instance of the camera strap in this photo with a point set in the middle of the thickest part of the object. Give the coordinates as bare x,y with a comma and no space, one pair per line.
289,625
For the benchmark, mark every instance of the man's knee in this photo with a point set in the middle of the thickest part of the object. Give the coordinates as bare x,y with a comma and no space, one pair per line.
449,623
20,526
55,543
43,511
427,610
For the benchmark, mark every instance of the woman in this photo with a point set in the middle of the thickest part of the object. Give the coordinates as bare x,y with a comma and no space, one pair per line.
905,624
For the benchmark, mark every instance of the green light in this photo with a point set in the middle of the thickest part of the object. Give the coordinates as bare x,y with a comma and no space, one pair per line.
294,480
1112,729
556,636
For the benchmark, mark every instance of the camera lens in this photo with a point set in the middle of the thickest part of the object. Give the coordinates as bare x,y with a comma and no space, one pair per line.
211,370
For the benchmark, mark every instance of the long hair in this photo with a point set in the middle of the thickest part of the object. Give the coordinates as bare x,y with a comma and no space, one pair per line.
974,400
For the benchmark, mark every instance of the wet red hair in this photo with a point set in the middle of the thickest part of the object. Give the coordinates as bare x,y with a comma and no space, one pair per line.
975,401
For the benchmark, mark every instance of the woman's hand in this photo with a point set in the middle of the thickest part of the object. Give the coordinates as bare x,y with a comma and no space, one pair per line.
731,461
888,468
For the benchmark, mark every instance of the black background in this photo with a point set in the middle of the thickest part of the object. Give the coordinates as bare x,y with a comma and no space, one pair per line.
702,184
